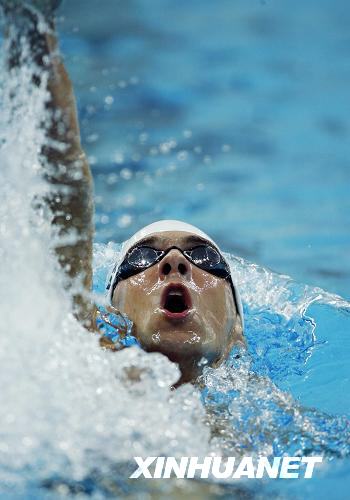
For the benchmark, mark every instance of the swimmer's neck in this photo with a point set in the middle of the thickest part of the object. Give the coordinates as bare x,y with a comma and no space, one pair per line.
186,378
191,368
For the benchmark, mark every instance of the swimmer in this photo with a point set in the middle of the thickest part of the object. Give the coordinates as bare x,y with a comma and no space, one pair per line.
173,283
171,280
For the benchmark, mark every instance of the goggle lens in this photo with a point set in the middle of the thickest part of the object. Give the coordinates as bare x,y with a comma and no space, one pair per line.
205,257
143,257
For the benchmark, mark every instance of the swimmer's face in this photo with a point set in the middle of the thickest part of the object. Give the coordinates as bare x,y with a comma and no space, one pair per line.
179,309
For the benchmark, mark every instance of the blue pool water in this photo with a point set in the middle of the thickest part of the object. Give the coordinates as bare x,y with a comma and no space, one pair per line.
235,117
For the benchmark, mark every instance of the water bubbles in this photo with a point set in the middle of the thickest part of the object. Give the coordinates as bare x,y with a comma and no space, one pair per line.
202,362
77,175
109,99
194,338
134,80
126,174
143,137
128,200
104,219
112,179
118,158
172,167
92,160
90,109
182,155
92,138
164,148
153,151
156,338
167,146
124,221
207,159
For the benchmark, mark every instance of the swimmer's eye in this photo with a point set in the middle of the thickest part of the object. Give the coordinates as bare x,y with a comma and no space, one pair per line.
137,260
143,257
209,259
203,255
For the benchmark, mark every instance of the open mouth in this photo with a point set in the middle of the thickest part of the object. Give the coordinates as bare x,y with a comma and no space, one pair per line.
176,301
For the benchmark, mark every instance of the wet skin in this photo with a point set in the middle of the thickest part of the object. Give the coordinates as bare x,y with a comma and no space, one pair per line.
208,326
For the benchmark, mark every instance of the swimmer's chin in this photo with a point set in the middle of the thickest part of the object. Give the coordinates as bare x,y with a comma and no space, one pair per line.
174,344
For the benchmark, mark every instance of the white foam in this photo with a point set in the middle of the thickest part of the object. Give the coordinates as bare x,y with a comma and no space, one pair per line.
66,405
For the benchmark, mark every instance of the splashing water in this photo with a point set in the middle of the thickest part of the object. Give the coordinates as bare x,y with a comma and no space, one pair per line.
68,408
66,405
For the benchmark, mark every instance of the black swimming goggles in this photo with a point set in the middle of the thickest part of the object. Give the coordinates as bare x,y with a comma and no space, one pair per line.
141,257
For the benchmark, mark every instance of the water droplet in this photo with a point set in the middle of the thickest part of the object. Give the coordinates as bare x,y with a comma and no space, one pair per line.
156,338
109,100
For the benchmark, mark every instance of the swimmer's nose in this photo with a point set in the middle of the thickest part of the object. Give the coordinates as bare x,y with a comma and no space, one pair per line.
174,264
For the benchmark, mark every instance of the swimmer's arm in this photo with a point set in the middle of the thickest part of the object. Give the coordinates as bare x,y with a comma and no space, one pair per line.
67,168
73,212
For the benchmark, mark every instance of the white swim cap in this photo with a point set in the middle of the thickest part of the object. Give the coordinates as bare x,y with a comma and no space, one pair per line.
160,227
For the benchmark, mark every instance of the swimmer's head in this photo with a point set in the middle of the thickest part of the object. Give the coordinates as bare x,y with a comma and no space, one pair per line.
174,284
